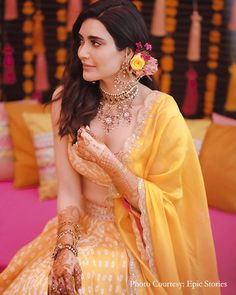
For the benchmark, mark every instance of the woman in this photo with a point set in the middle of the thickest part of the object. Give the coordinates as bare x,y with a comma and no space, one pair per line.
132,212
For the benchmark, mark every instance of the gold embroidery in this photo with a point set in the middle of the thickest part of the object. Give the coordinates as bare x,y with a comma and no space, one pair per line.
133,274
146,226
99,212
133,141
139,242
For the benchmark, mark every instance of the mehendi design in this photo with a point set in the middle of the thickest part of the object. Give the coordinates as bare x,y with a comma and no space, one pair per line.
124,180
66,272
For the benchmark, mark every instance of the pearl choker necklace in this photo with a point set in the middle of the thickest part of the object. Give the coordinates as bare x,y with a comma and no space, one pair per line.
115,109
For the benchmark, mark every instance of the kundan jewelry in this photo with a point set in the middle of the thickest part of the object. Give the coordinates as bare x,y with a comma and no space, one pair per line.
116,108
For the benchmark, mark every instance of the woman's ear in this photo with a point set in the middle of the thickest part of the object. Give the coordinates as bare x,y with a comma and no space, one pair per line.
129,53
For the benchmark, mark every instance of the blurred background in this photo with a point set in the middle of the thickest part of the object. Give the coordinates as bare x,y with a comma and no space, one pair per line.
194,42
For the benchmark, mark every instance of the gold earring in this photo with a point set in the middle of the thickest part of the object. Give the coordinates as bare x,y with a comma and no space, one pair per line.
124,78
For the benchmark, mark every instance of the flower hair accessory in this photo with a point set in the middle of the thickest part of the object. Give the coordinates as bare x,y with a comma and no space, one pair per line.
142,63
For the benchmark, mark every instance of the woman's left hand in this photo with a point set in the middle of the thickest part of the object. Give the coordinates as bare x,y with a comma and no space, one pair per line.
87,146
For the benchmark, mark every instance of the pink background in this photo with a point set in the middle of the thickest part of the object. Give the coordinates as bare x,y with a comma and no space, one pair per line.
23,216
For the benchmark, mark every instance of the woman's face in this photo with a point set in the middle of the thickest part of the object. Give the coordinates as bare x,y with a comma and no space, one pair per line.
97,51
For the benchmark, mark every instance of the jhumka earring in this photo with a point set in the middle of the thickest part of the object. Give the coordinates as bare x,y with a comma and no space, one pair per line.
124,78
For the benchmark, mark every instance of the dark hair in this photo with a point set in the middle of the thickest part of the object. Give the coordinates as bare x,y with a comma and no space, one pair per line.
80,99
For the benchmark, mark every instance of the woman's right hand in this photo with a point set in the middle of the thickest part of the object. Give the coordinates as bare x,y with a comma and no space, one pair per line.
65,275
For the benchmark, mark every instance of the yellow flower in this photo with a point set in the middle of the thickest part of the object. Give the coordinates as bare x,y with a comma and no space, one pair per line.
137,62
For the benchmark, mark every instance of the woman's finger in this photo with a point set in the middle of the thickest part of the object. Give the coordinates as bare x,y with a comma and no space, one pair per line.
61,286
77,277
69,286
52,285
85,137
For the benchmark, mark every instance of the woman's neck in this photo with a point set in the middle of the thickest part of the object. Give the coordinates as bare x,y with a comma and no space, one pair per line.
108,85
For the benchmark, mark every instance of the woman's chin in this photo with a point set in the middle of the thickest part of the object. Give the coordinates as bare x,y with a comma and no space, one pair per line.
89,78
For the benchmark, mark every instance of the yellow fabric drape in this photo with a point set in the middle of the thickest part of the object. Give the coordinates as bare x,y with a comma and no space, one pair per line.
174,202
178,248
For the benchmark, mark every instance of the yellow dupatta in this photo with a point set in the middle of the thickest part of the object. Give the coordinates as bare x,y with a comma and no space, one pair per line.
178,249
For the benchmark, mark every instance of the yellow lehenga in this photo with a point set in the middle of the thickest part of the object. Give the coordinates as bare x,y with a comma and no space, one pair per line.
160,248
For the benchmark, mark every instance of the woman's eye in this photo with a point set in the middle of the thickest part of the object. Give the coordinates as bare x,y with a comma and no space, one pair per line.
95,43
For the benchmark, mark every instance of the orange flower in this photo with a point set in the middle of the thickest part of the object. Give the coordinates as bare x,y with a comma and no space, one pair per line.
167,63
165,82
61,15
212,65
214,36
172,3
59,72
217,5
61,55
170,24
61,33
216,19
28,56
168,45
28,70
28,41
61,1
28,86
211,81
27,26
28,8
171,11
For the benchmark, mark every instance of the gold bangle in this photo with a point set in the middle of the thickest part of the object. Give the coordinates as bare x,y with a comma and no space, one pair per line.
70,223
60,247
68,231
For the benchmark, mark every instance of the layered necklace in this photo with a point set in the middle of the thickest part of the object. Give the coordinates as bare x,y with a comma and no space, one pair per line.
115,109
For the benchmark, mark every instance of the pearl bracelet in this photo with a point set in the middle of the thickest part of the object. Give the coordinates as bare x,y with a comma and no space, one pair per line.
70,223
68,231
60,247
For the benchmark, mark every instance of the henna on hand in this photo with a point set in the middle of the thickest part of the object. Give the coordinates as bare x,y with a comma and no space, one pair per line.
125,181
65,274
88,146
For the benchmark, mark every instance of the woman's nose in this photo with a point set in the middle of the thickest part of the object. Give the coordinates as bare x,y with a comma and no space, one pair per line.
83,51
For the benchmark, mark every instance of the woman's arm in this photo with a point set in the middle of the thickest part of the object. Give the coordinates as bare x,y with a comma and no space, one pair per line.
69,183
70,209
125,181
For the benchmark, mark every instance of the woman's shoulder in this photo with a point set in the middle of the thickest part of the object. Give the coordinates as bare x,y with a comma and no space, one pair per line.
164,102
159,100
165,110
57,93
56,104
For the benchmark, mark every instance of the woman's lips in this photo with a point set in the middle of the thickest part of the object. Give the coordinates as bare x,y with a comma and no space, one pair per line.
87,67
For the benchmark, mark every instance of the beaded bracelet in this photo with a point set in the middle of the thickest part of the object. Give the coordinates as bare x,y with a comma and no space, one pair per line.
70,232
60,247
75,225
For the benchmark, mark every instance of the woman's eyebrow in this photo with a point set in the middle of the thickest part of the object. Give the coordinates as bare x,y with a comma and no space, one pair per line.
92,37
96,37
